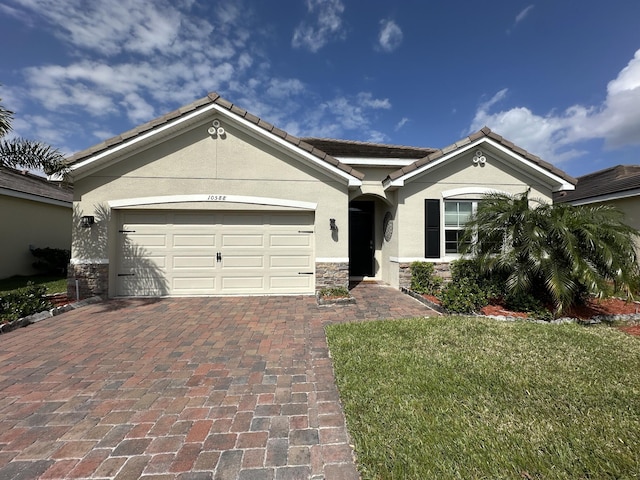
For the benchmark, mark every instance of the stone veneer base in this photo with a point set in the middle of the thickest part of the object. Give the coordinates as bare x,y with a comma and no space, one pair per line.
93,280
330,274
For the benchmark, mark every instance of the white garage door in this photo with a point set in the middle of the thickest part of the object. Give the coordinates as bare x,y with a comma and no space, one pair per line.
192,253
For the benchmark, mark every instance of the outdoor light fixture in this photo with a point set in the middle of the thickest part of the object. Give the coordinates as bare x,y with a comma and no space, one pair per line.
332,225
86,221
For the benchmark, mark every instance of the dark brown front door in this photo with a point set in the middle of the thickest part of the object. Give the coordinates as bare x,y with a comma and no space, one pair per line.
361,241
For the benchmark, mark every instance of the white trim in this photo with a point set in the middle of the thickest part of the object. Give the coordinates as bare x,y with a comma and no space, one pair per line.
607,198
89,261
35,198
454,192
378,162
172,124
214,198
400,181
332,260
140,138
422,259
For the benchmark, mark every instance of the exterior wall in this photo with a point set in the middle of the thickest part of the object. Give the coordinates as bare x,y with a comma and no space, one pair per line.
631,209
26,222
196,163
332,274
458,173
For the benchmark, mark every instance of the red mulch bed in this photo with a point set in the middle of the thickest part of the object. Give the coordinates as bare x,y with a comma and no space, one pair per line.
593,307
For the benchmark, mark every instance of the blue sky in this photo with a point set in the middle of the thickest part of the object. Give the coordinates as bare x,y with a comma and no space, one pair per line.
559,78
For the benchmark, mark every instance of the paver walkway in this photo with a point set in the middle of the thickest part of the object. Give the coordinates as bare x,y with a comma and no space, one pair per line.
191,388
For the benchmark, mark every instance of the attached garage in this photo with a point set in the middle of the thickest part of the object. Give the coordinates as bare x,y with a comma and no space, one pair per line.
181,252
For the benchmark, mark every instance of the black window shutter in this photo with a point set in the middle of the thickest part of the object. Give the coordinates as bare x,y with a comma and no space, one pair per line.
432,228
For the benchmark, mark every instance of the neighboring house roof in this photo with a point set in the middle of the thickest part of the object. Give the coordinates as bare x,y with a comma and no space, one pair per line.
608,184
485,133
22,184
201,104
351,148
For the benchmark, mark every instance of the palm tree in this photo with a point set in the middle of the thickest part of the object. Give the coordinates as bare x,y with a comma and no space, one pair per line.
19,152
557,252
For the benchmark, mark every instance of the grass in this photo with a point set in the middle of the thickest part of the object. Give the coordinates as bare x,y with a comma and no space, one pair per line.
53,283
466,398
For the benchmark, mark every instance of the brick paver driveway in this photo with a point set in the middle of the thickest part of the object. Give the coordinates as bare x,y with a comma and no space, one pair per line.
193,388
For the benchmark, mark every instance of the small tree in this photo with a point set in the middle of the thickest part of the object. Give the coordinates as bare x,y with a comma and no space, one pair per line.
19,152
555,252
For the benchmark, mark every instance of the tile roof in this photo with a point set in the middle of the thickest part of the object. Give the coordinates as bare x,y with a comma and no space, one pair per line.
212,98
24,182
484,132
618,179
351,148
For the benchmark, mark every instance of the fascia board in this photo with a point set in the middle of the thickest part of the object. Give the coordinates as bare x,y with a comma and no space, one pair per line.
77,169
35,198
557,183
607,198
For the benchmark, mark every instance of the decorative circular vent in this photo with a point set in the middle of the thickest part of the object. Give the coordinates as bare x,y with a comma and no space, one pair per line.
387,226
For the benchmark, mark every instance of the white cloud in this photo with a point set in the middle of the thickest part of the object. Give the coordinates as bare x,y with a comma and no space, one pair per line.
327,25
403,121
390,36
523,14
556,136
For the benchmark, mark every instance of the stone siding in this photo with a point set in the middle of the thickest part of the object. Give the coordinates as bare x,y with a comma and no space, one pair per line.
93,280
330,274
442,270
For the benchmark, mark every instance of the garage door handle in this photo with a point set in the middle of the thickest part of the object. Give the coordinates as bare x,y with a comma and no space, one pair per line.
305,273
126,274
305,231
127,231
218,257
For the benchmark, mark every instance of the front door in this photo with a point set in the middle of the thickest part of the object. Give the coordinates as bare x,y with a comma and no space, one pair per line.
361,241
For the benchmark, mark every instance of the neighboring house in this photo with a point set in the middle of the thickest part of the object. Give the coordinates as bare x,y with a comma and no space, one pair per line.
34,212
210,199
618,186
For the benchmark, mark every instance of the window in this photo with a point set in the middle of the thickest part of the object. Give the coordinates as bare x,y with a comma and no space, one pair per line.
456,215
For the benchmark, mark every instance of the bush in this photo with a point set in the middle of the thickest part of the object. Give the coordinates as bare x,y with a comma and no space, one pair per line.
527,302
334,292
463,296
23,302
51,260
424,279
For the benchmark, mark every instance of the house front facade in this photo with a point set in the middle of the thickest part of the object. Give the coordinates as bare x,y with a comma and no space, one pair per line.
34,213
212,200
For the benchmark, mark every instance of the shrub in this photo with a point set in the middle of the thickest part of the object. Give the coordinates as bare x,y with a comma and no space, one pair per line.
51,260
424,279
334,292
22,302
463,296
526,302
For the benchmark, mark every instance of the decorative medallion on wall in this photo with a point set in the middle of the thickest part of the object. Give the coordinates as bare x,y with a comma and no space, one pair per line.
479,158
387,226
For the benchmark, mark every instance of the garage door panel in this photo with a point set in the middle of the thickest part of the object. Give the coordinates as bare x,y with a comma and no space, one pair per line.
289,261
177,252
244,283
195,262
284,240
194,241
242,261
242,240
194,283
291,282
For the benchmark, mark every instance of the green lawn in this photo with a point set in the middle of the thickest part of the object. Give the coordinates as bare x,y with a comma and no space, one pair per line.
467,398
53,283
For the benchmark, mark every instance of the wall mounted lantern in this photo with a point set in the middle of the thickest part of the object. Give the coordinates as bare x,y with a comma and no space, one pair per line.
332,225
87,220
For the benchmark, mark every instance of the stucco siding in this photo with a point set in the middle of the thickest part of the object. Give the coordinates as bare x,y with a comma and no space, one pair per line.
24,223
457,174
195,163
